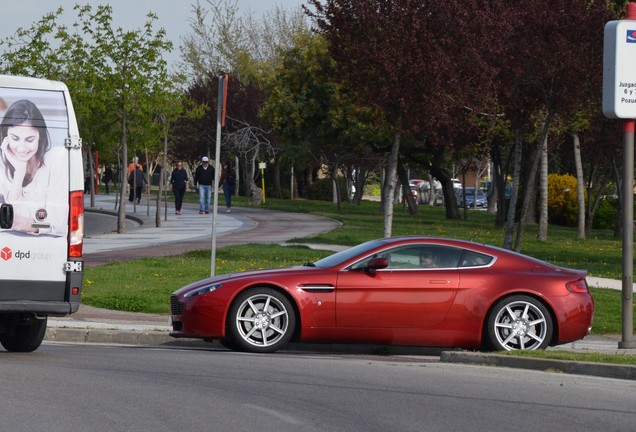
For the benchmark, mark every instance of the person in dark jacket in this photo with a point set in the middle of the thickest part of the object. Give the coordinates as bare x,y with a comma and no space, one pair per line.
228,180
204,177
179,182
108,177
137,181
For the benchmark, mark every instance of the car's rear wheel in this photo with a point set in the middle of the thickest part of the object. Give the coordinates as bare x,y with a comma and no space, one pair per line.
260,320
27,336
519,323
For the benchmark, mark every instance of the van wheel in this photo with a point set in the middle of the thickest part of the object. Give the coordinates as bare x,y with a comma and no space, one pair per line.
26,338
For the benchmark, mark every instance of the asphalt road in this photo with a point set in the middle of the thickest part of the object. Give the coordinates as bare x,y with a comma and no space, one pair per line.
68,387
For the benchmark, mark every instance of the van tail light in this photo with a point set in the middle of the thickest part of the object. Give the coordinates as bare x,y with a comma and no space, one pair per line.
579,286
76,224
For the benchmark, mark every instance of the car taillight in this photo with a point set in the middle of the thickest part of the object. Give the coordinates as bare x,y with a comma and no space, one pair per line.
579,286
76,224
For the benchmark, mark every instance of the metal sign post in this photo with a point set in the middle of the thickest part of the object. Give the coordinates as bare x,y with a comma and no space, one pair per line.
220,122
262,166
619,101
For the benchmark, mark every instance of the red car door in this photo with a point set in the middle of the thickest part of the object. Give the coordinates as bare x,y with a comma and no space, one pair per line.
407,298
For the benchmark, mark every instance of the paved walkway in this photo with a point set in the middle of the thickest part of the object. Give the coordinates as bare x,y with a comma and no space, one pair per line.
192,231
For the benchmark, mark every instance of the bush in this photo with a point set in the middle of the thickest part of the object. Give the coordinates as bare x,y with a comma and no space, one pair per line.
373,189
322,190
562,202
605,215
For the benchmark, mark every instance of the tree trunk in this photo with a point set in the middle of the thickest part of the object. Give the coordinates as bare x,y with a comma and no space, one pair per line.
516,179
121,214
618,226
529,192
542,234
91,173
408,196
162,176
388,189
498,186
580,188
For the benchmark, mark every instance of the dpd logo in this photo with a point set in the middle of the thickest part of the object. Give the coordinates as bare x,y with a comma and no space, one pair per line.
6,253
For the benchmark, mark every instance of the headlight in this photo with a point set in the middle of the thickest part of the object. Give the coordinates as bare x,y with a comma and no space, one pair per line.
203,290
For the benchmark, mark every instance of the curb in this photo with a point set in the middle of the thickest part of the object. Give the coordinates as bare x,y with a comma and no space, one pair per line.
604,370
120,337
100,210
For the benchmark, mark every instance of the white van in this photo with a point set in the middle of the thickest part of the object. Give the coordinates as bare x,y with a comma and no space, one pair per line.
41,209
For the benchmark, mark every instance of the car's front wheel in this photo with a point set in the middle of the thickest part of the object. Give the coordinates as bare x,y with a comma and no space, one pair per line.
519,323
260,320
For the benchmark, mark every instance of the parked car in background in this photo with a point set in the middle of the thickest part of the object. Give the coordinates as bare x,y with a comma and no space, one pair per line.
402,291
423,192
473,198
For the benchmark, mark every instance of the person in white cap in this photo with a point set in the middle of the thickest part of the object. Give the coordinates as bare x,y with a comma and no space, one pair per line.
203,178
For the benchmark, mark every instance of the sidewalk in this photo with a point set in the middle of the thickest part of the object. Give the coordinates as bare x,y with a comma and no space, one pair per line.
191,231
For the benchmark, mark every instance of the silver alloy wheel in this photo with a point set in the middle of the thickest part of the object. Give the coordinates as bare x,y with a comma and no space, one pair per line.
262,320
521,325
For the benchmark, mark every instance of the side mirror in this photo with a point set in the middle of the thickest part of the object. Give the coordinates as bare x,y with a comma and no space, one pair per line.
6,216
377,263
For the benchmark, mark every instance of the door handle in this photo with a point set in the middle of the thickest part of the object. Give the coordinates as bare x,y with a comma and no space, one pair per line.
6,216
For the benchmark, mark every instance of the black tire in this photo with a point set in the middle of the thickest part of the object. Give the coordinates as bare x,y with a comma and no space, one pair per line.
27,337
229,344
260,320
519,322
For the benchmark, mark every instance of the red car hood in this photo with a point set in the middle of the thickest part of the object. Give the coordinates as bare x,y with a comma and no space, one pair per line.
267,273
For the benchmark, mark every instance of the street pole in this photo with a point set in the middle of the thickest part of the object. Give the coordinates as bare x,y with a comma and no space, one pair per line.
220,122
619,72
627,340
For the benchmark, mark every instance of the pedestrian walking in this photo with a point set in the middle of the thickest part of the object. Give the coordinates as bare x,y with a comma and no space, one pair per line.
137,181
228,180
108,177
179,182
203,178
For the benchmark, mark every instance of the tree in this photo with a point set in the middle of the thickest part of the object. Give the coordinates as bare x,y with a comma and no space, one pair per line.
543,77
316,115
400,57
118,78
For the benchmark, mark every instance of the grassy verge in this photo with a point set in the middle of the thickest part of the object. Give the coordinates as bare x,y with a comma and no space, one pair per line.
145,285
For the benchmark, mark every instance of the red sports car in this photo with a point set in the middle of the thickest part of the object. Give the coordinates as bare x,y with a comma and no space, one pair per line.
400,291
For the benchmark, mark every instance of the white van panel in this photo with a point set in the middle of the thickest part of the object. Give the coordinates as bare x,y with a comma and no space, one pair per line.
45,200
33,265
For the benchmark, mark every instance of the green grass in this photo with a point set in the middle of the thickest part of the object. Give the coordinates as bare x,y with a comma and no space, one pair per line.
145,285
600,254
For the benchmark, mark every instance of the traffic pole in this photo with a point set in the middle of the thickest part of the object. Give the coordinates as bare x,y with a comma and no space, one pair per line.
627,288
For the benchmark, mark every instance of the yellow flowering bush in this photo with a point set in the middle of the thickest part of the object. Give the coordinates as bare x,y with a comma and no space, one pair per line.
562,201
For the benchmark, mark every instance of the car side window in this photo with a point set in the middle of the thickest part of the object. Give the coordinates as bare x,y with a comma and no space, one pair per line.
475,259
423,257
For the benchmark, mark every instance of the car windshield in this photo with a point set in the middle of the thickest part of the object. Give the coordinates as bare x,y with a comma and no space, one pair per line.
347,254
471,191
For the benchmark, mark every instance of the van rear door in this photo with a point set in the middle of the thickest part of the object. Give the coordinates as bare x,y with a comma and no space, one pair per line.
41,254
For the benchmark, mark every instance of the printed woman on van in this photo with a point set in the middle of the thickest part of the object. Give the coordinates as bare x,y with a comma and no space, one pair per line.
32,174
